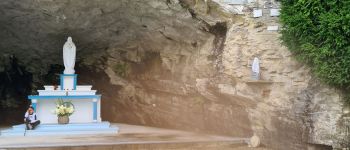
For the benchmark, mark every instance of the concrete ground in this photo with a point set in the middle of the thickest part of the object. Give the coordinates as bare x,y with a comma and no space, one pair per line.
129,137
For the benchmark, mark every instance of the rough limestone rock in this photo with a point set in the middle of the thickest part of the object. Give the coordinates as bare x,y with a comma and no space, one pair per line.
180,64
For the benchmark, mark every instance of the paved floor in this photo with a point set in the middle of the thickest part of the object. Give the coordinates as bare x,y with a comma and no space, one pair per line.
128,135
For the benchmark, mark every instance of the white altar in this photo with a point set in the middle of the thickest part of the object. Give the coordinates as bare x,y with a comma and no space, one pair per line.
86,118
87,104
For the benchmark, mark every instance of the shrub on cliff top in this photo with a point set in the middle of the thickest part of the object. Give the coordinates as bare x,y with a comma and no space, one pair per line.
318,33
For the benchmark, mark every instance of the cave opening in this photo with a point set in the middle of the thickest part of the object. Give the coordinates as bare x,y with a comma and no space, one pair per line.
52,76
176,64
147,64
16,85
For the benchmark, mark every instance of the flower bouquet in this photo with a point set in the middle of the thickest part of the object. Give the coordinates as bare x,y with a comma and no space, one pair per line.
63,110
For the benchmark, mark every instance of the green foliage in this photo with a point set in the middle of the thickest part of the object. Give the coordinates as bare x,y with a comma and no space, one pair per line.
121,69
318,33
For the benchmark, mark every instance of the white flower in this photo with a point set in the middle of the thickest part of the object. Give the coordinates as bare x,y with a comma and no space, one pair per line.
70,110
61,111
63,108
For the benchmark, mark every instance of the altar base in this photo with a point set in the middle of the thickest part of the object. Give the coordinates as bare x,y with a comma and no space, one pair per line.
130,137
62,129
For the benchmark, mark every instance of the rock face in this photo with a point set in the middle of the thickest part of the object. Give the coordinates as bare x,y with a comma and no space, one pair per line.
292,107
177,64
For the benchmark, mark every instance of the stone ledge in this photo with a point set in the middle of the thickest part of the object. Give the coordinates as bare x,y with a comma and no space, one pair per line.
261,82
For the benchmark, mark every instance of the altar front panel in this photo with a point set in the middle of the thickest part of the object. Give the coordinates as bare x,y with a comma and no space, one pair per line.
83,111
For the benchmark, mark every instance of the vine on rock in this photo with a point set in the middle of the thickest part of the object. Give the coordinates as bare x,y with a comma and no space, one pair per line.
317,32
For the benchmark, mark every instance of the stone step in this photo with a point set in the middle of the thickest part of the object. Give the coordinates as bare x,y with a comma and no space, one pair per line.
58,129
70,125
218,145
71,132
7,133
129,137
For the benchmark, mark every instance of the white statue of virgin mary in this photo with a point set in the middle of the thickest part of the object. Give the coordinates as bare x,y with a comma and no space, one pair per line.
69,56
256,69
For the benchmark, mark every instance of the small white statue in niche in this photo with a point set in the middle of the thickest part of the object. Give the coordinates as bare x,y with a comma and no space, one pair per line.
256,69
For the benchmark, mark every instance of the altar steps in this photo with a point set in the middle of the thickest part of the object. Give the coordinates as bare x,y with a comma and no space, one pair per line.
129,137
216,145
57,129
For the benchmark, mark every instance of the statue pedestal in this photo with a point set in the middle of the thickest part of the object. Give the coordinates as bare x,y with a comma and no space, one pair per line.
68,81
